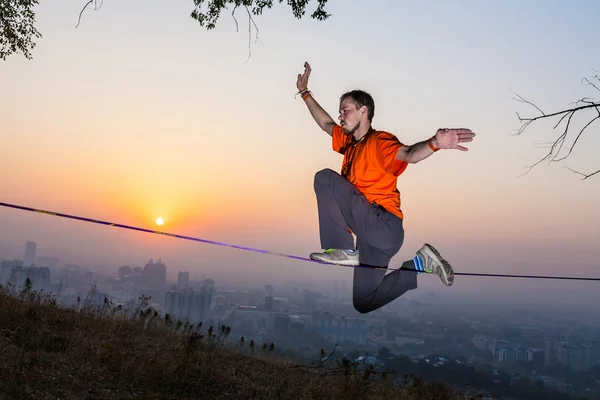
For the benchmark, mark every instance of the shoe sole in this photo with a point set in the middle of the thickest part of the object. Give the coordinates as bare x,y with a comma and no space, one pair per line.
446,269
350,263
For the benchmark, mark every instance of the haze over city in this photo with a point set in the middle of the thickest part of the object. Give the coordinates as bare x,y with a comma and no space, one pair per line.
139,113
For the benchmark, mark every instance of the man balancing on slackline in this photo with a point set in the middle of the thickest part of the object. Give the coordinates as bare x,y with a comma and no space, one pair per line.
364,199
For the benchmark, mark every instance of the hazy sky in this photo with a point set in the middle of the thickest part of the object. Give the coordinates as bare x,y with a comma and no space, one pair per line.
140,113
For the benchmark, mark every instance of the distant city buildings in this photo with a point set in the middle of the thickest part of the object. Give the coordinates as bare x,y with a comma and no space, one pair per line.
402,339
154,273
483,342
551,348
14,275
558,350
272,317
183,279
577,356
15,272
268,290
29,259
338,328
125,271
190,304
511,354
502,352
6,268
299,318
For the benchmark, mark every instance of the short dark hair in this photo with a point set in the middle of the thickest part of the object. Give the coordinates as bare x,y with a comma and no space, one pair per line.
361,98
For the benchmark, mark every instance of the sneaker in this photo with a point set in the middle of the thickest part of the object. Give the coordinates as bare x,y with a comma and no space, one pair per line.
337,256
435,264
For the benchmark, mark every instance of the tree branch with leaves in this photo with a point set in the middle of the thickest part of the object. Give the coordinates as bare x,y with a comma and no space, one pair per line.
209,18
586,104
17,30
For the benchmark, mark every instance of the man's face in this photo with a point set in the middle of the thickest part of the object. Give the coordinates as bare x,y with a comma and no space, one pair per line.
350,116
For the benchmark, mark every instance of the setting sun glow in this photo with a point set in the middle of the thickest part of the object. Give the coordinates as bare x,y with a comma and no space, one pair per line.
159,221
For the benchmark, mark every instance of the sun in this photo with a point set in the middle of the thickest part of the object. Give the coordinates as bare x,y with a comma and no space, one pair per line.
159,221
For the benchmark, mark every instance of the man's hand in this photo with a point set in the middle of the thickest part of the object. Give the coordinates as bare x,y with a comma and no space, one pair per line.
321,117
450,138
302,82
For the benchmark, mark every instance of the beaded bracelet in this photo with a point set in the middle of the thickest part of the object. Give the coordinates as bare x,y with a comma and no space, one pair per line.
305,93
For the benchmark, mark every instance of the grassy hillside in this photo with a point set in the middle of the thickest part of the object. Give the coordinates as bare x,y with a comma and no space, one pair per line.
49,352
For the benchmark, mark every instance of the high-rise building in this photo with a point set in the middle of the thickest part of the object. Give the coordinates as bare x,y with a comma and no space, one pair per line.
268,290
29,259
511,354
269,303
591,355
190,305
154,273
281,324
572,355
16,275
578,356
551,349
339,328
124,271
183,279
39,277
6,267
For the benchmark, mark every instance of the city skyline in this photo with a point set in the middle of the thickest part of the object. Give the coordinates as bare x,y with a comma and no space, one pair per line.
528,348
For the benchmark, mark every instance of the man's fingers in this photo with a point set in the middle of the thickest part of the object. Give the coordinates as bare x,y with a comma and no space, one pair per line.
461,148
461,131
303,78
465,139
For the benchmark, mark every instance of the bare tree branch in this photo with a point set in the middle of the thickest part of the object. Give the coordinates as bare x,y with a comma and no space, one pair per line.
249,35
250,23
591,83
577,138
580,106
210,17
81,12
237,27
582,174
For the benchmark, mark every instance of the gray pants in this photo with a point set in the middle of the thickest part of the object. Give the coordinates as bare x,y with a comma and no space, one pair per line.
379,236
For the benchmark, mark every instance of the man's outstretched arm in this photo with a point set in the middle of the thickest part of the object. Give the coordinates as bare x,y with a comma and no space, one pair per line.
443,139
321,117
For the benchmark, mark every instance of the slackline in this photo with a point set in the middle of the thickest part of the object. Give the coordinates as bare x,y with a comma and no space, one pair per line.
272,253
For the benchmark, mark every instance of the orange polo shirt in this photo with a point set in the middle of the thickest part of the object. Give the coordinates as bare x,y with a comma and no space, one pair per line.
369,165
